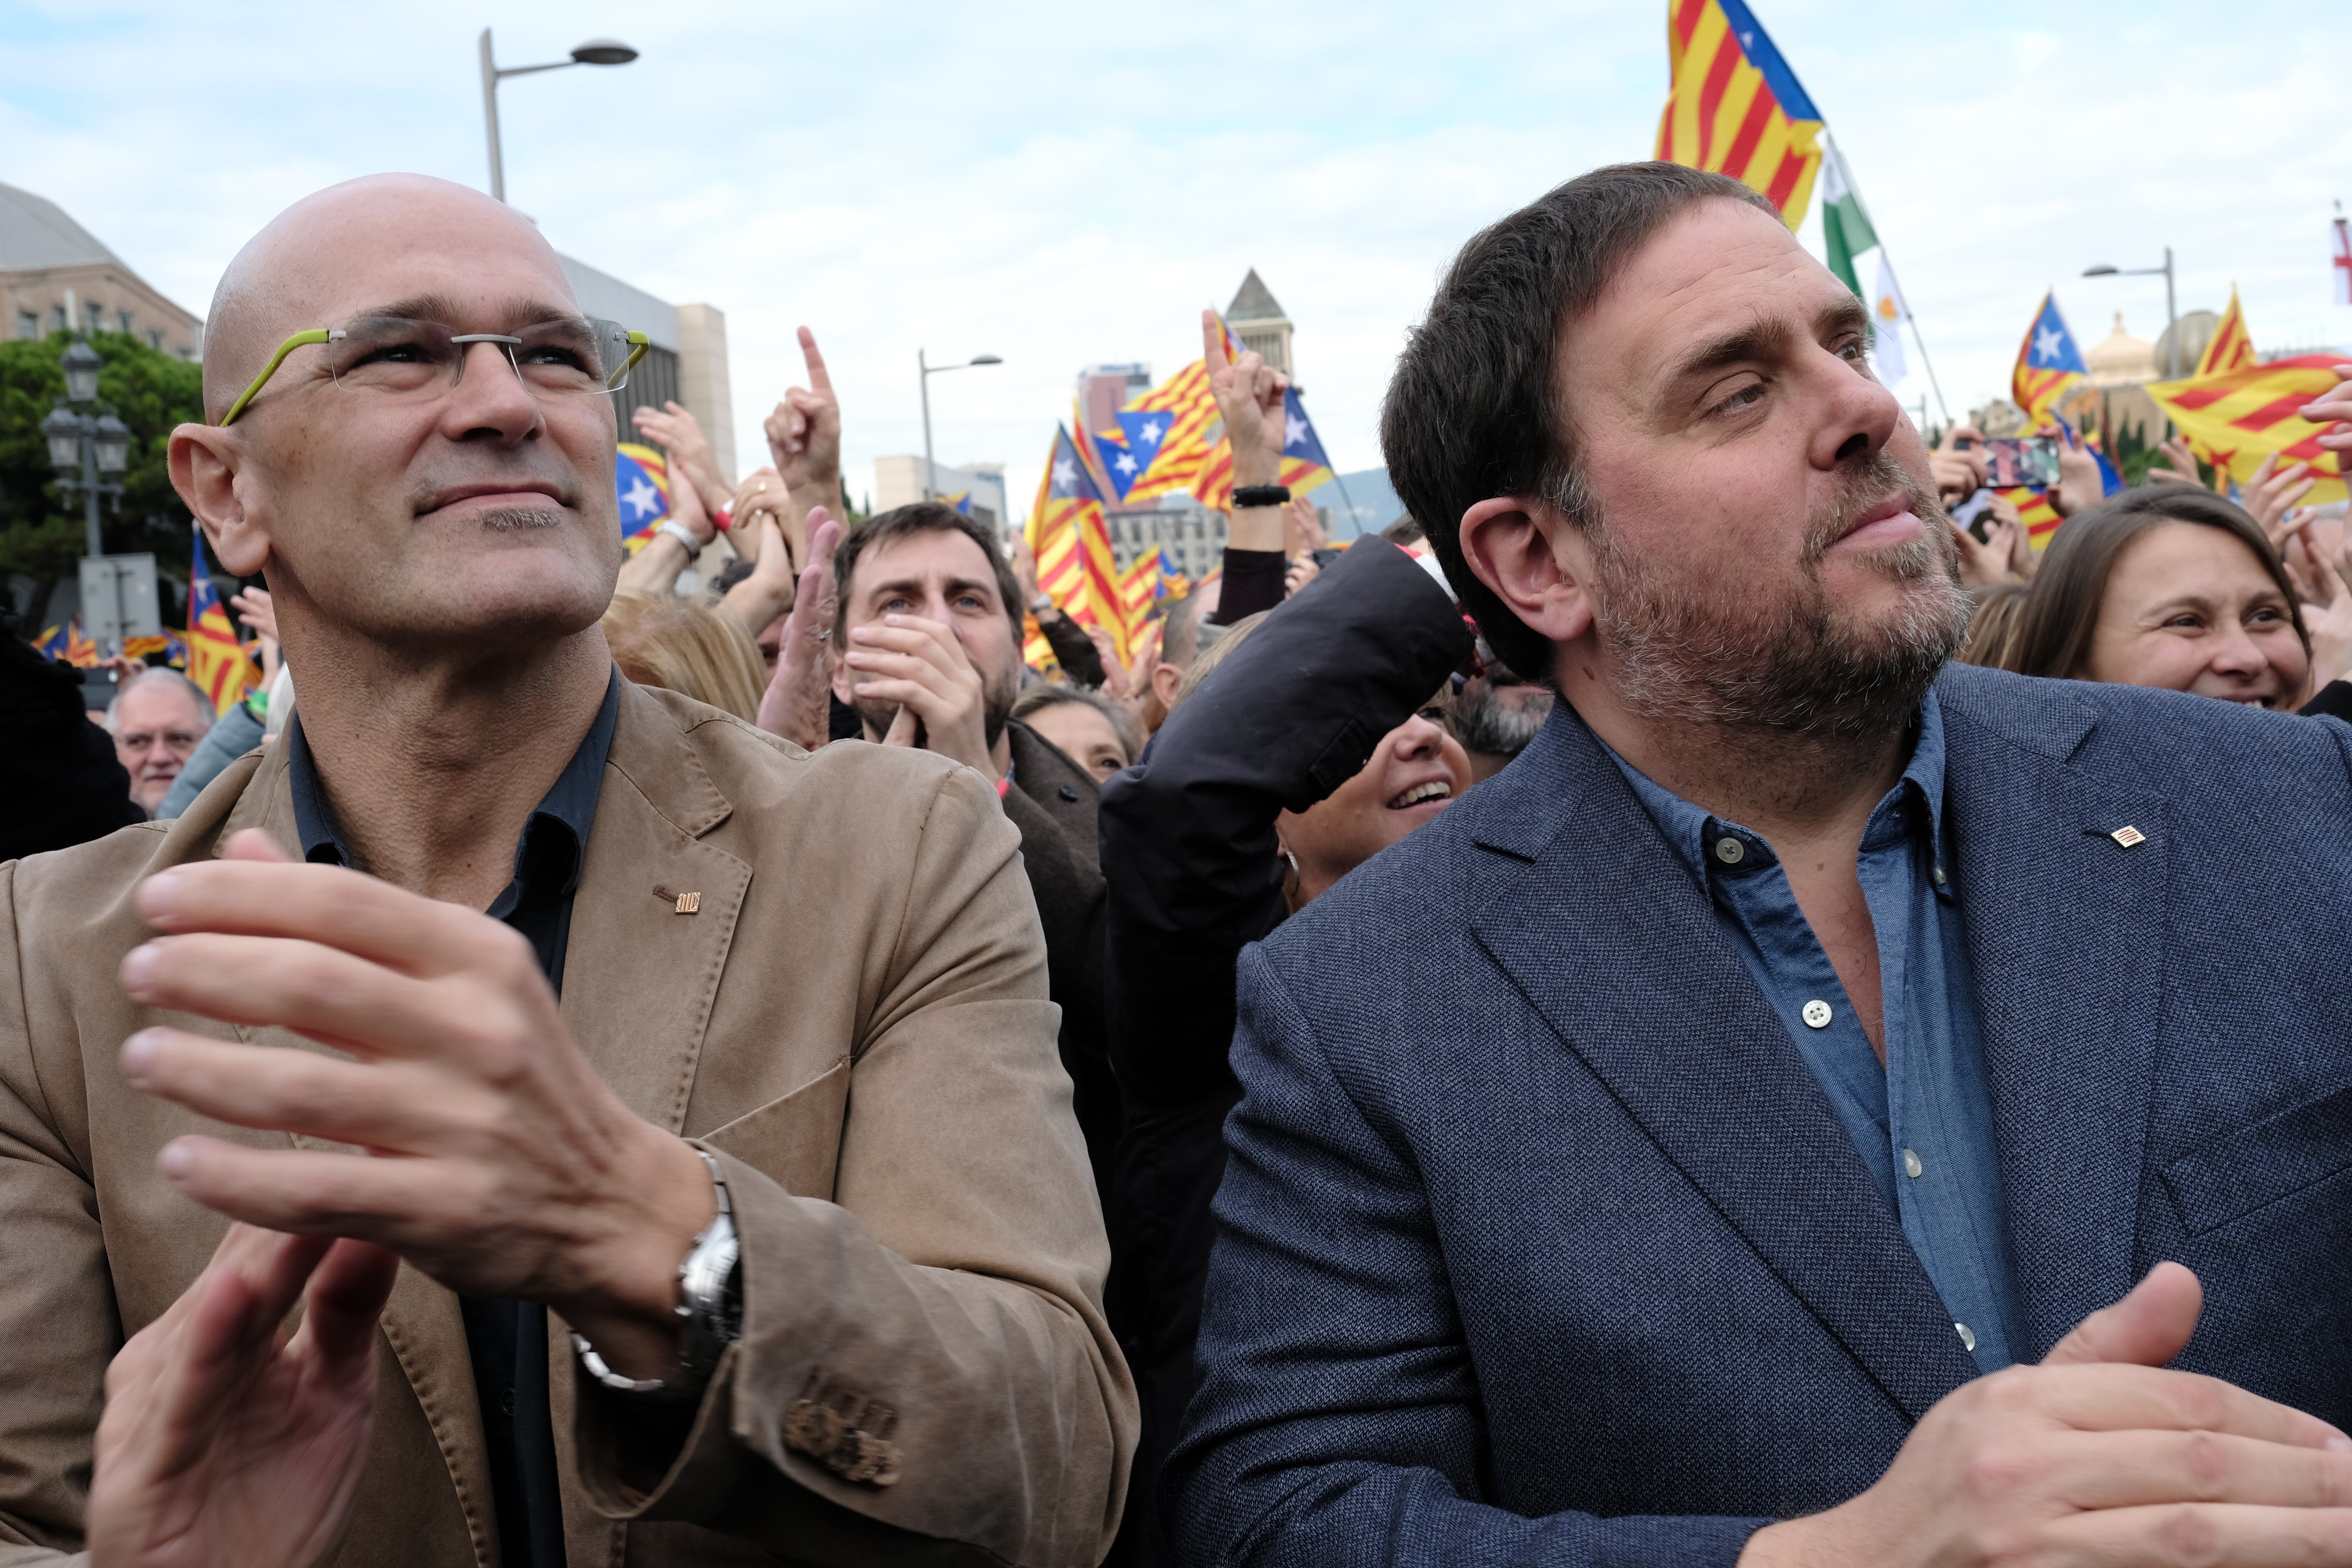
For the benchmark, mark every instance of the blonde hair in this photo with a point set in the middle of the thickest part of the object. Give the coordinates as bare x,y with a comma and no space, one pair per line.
1208,659
661,639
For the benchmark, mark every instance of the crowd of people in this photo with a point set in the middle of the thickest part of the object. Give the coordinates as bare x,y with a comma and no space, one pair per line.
1676,1005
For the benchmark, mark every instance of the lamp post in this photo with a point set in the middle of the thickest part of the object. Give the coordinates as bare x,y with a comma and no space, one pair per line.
2172,316
595,52
924,380
88,450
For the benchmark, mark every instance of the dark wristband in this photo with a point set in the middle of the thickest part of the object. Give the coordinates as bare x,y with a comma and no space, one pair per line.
1260,495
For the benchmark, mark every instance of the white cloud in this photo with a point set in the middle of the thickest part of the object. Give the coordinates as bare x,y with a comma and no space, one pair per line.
1060,187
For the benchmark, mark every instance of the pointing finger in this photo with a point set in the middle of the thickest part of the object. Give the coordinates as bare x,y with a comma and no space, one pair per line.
818,377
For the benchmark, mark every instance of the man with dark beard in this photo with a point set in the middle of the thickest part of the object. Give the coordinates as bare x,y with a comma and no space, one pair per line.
1734,1133
928,636
1496,714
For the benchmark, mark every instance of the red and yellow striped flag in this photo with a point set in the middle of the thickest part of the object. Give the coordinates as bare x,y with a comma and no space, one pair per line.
2229,348
1072,544
1736,108
216,660
2035,510
2236,418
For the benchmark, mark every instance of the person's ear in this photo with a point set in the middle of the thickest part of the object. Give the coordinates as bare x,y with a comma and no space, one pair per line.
843,687
207,468
1165,679
1533,559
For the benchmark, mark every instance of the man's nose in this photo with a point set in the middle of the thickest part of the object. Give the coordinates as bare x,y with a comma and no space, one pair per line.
1861,415
489,396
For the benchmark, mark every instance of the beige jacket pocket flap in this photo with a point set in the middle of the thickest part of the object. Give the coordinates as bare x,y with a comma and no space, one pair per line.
795,1141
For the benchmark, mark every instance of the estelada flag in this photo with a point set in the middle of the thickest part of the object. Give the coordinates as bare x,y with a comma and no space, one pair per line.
2036,510
2235,419
1140,593
1735,107
2229,348
641,480
216,660
1172,460
1072,544
2049,366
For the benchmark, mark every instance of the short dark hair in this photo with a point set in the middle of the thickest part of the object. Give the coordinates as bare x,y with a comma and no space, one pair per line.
2060,613
1405,531
1474,409
900,522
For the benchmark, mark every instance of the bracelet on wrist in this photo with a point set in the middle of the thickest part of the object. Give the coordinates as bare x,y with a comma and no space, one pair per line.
709,1310
1260,495
685,536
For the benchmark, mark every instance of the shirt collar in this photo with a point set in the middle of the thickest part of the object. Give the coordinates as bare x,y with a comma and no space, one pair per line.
1915,805
569,806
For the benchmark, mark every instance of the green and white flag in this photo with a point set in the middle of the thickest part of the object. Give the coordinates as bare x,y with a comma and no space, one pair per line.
1845,232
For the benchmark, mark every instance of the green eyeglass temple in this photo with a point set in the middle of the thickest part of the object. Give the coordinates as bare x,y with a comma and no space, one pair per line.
638,344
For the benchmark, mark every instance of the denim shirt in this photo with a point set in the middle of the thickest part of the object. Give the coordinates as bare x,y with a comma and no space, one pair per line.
1924,1121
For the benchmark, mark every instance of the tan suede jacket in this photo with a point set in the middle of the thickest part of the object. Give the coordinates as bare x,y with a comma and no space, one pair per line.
854,1018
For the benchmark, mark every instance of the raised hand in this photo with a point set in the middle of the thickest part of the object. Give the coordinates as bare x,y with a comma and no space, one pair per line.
2081,486
797,704
2271,491
1958,472
225,1442
1115,680
2326,607
679,434
2334,409
1249,397
2179,465
1302,528
1297,575
497,1160
805,433
253,608
2098,1456
768,592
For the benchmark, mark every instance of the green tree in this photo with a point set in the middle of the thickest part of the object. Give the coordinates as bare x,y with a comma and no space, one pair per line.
41,532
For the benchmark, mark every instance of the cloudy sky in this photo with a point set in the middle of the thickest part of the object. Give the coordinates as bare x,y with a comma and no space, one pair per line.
1065,185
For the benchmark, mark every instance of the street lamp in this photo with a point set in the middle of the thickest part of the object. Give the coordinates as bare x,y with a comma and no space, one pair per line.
88,450
2172,316
924,379
595,52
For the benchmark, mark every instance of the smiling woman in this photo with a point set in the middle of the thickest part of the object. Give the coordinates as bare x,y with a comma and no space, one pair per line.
2168,586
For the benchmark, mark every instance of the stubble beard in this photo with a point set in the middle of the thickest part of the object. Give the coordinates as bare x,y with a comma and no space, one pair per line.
1717,654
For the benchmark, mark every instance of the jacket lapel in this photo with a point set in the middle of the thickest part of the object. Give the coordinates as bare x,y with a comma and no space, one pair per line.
2066,934
1585,908
640,977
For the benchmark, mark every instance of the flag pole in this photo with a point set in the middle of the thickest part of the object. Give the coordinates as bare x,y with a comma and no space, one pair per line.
1887,261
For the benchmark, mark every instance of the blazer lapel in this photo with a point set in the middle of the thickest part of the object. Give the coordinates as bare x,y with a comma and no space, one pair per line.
1586,909
2066,934
654,917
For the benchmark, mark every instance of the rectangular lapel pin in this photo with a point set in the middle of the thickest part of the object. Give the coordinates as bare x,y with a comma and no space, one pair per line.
2125,836
691,903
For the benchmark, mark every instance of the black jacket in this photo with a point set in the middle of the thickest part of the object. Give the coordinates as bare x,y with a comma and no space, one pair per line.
1188,851
1053,803
59,780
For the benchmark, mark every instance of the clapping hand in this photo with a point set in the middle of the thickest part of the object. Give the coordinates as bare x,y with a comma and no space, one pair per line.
226,1441
2334,409
2179,465
918,663
2081,485
797,703
2271,491
679,434
768,592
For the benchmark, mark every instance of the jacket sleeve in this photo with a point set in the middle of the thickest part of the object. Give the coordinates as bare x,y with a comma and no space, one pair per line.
1338,1421
54,1292
1188,839
925,1358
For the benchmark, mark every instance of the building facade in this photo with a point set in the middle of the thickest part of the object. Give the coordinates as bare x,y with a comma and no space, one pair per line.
56,277
976,488
686,363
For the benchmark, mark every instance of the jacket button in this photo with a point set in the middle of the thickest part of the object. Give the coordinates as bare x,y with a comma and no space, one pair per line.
1069,792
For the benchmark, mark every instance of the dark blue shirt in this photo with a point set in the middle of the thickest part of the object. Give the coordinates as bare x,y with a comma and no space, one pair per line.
1924,1121
507,1340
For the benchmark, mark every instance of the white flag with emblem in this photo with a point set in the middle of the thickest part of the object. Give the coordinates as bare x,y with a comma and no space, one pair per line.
1889,314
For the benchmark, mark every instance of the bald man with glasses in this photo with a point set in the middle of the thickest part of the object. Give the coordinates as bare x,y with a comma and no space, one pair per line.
659,1130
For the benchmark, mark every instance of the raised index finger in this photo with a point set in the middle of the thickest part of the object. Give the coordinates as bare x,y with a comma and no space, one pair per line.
1213,344
818,380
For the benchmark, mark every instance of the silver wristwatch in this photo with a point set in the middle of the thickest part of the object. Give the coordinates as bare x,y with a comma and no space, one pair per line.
710,1307
685,536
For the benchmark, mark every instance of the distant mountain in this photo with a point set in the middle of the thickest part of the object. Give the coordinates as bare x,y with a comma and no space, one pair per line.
1359,503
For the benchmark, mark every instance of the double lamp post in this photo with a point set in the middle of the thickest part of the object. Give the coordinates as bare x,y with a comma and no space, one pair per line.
91,450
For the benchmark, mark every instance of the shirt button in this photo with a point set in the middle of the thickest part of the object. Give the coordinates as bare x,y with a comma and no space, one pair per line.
1910,1164
1967,1336
1816,1013
1728,851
